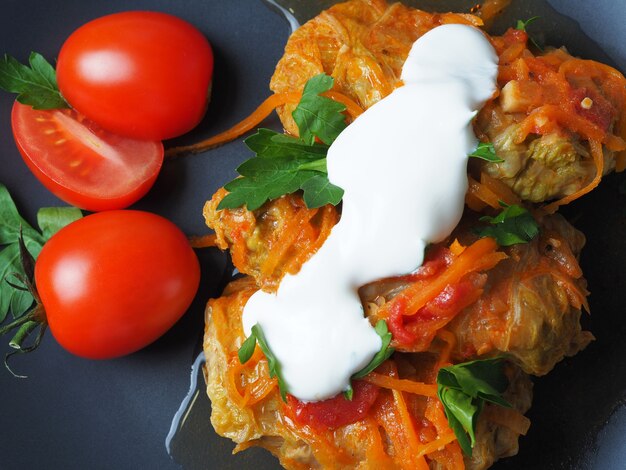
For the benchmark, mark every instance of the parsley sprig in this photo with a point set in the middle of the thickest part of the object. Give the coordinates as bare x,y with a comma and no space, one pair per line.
511,226
21,246
463,389
381,356
523,25
35,85
486,151
285,164
247,349
256,336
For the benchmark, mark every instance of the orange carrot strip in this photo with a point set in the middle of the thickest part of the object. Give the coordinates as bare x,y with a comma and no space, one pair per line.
500,189
254,119
203,241
437,444
353,109
403,385
456,248
450,340
287,237
482,192
240,128
409,432
479,256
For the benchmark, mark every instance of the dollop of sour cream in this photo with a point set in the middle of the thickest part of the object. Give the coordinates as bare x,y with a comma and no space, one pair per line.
402,165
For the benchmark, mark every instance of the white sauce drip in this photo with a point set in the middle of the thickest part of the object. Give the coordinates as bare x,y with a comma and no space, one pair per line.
402,165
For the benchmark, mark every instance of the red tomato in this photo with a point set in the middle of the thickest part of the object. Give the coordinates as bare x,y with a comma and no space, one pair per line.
142,74
337,411
113,282
82,164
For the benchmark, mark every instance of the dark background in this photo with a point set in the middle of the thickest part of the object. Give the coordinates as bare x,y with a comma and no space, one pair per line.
73,413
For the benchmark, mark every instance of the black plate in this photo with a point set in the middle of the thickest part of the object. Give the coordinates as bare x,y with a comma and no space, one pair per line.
77,414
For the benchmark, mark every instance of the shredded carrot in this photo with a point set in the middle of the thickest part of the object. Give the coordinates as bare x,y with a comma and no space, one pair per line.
287,236
238,129
353,109
450,340
482,193
203,241
329,217
403,385
414,454
254,119
500,189
437,444
456,248
479,256
375,451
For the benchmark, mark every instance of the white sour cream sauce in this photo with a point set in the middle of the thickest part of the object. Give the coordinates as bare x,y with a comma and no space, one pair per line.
403,167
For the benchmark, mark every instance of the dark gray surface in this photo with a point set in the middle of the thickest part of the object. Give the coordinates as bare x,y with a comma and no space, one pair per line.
77,414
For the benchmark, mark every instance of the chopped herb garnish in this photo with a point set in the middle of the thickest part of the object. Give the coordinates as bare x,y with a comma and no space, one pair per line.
35,85
382,355
511,226
285,164
247,349
486,151
463,390
522,25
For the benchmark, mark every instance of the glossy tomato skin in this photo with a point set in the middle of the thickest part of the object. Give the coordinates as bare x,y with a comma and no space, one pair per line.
142,74
113,282
81,163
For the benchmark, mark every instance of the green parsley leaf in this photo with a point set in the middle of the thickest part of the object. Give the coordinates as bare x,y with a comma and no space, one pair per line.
511,226
382,355
463,390
319,116
35,85
522,25
486,151
50,220
285,164
247,349
271,144
319,191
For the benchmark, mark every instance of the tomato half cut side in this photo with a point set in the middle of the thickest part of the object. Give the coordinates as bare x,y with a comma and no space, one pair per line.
81,163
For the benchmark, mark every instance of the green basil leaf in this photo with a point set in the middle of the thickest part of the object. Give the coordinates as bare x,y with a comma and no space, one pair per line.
349,394
382,355
11,222
463,410
463,390
53,219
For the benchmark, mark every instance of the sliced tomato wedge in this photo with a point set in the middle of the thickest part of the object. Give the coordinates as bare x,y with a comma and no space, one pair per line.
81,163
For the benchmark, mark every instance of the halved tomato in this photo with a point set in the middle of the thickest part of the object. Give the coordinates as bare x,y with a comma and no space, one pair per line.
81,163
